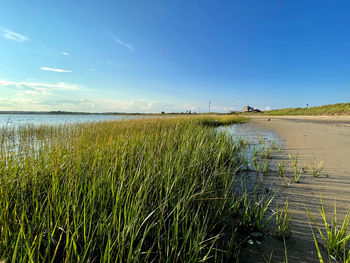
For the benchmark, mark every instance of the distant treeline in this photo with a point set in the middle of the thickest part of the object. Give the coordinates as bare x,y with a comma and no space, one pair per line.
331,109
105,113
68,113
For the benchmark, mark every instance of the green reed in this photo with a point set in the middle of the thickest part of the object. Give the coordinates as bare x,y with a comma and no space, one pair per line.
127,191
336,236
284,218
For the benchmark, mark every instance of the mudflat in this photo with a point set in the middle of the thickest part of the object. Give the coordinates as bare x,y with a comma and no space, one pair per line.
322,141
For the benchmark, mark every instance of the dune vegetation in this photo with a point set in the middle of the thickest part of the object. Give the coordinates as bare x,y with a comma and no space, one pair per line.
331,109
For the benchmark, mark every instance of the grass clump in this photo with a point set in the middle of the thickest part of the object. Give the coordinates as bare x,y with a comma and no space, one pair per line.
296,172
222,120
254,216
280,169
316,170
283,222
144,190
336,237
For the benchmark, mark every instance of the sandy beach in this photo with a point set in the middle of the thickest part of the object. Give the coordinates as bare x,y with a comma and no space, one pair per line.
317,139
313,139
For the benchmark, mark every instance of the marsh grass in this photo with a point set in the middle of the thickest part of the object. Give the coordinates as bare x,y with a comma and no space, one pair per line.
280,168
265,167
296,172
256,164
336,237
296,176
316,170
265,153
255,212
284,219
221,121
145,190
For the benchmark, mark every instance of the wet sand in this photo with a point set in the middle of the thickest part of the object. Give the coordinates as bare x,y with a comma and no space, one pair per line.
313,139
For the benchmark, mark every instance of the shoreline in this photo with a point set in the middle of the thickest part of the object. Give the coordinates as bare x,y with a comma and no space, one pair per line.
323,118
314,140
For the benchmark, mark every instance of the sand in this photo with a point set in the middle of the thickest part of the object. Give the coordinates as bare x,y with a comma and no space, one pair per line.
314,139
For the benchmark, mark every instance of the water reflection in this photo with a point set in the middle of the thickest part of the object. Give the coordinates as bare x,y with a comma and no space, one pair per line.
11,120
252,133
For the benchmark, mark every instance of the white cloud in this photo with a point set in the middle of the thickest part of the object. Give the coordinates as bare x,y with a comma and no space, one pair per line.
29,101
36,95
20,104
134,105
36,92
113,105
55,69
65,53
122,43
37,86
268,108
187,107
231,108
8,34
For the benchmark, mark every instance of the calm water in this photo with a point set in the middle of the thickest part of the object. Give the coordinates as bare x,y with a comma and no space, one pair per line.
253,133
256,136
24,119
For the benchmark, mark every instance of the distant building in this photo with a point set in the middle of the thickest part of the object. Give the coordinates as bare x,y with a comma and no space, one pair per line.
250,109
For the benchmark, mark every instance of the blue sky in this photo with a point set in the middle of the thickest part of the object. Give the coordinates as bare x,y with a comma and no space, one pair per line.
152,56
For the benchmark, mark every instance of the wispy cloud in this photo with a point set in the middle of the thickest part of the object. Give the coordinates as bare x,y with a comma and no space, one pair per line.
114,105
122,43
8,34
37,86
26,95
37,95
230,108
55,69
65,53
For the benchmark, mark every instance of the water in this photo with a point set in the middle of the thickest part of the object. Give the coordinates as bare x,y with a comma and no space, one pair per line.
258,141
11,142
11,120
259,152
252,133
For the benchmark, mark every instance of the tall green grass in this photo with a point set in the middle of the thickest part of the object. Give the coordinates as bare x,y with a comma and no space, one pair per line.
221,120
336,236
146,190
